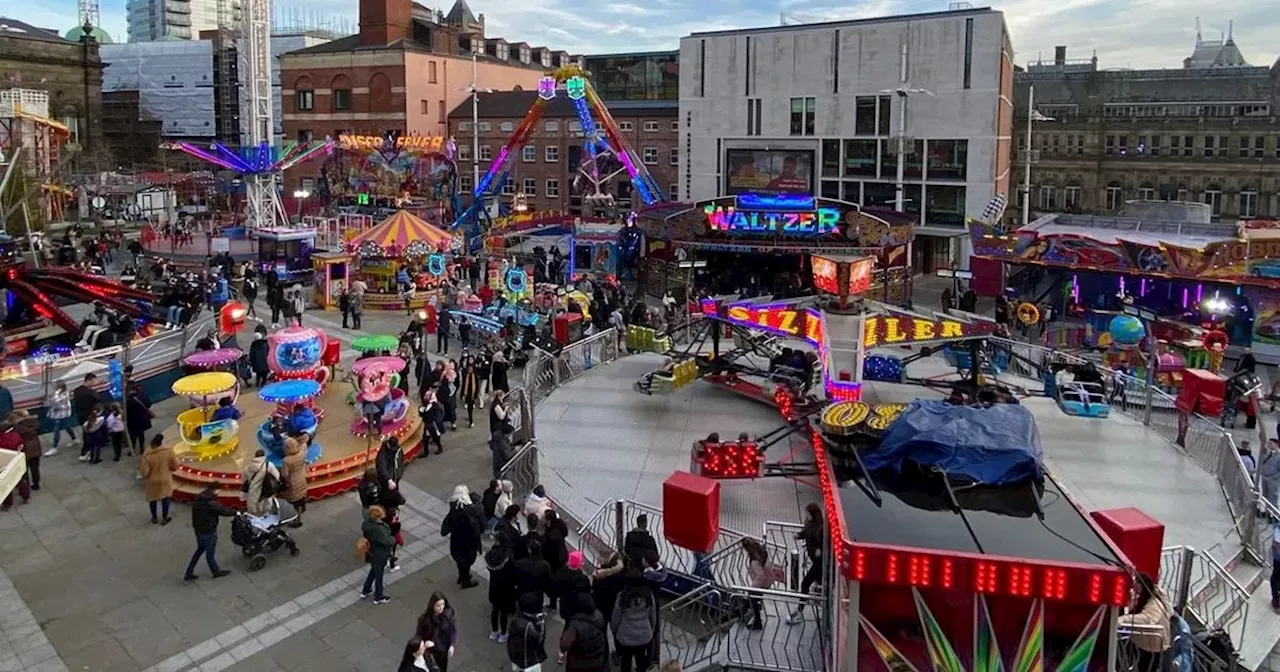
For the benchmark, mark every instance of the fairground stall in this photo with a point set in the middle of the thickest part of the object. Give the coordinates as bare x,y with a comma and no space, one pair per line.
287,251
589,245
401,250
416,173
1203,281
761,244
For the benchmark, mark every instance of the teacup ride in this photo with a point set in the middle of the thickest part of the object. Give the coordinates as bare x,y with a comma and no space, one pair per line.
375,343
295,412
297,353
375,379
222,359
203,438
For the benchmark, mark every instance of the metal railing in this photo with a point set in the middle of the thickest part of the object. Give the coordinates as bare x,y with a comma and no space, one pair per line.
782,631
691,626
1193,582
544,373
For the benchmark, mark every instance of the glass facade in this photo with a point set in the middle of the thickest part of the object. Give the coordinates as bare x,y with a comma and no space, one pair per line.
647,76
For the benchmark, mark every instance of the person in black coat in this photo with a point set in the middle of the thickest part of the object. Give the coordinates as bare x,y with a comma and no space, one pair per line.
390,465
258,351
568,583
137,418
369,489
465,531
526,635
502,591
639,541
204,522
555,545
532,574
507,532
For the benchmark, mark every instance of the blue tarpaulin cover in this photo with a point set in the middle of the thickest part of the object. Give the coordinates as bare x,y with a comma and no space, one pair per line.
998,445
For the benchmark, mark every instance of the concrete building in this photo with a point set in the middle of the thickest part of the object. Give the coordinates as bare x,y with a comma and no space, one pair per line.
651,75
71,72
810,108
548,165
151,20
1207,132
405,70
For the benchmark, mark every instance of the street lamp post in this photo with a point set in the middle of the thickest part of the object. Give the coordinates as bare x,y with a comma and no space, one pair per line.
903,92
1032,116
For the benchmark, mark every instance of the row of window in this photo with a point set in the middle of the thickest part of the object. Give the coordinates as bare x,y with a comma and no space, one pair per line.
1166,110
551,154
553,126
944,204
927,159
550,189
871,116
1114,197
1208,146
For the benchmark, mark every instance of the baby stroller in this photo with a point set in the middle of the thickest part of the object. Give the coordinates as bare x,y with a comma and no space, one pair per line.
258,535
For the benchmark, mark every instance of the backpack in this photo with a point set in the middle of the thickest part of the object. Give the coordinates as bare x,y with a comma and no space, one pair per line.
362,547
496,557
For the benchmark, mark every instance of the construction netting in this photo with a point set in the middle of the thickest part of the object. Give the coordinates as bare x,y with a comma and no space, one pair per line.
174,81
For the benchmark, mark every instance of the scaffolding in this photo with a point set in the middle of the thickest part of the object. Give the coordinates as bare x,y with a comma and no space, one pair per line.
32,146
227,76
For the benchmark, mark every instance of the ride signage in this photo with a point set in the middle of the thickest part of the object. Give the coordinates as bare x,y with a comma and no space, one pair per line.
782,320
731,220
422,143
901,330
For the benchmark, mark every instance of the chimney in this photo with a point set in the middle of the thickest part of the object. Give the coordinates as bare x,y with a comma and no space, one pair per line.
1059,55
384,21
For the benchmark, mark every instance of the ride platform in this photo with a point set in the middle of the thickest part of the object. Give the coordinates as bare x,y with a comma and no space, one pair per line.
337,469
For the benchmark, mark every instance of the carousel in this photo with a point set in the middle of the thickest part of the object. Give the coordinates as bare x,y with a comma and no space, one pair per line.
401,250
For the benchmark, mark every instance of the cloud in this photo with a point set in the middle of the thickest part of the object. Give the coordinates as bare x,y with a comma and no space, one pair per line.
1124,33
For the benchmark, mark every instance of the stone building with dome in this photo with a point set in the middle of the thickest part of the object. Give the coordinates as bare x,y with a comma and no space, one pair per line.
1208,132
70,71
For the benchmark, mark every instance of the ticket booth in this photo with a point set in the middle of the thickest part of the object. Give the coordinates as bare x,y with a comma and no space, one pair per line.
332,273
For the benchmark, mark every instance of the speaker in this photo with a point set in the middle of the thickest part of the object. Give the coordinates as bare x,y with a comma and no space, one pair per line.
548,345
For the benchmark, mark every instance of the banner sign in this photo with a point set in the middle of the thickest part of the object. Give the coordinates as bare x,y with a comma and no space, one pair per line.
901,330
421,143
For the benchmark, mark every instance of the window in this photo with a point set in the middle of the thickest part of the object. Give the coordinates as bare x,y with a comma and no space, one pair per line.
1182,193
1244,147
506,127
1122,145
944,205
553,189
508,186
1056,140
1259,146
1223,143
575,127
675,156
528,153
1071,197
464,127
1115,197
464,183
1278,146
1208,146
431,72
1248,203
675,127
306,99
860,159
968,52
1154,149
753,116
1079,144
1188,145
551,153
1111,145
1146,193
486,153
441,114
650,156
864,120
626,126
650,127
883,115
1141,149
802,115
503,52
341,99
1213,198
949,159
1047,197
530,186
485,127
304,135
424,106
464,152
551,126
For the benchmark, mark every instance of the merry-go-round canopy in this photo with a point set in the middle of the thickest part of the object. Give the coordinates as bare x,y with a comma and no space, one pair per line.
401,234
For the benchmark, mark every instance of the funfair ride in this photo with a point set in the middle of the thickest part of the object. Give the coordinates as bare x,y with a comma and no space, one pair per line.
258,162
606,152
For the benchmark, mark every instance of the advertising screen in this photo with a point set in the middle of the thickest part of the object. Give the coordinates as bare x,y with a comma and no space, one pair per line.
775,171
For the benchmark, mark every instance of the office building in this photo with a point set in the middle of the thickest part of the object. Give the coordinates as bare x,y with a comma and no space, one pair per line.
638,76
152,20
1207,132
811,108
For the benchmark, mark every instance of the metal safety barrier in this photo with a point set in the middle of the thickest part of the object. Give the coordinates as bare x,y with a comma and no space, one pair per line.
544,373
1196,584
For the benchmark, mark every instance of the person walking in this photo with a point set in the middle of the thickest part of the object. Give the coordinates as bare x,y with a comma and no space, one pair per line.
438,627
414,657
760,571
432,414
378,542
498,368
275,299
344,305
449,393
158,465
526,636
443,322
259,352
59,406
28,428
464,331
635,623
584,645
249,290
812,534
205,512
115,431
555,545
502,590
138,416
469,386
465,531
294,475
299,303
357,307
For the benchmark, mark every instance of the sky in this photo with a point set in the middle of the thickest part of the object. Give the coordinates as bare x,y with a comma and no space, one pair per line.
1124,33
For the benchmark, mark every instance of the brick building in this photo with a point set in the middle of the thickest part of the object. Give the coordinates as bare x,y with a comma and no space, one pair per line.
545,168
402,73
71,72
1208,132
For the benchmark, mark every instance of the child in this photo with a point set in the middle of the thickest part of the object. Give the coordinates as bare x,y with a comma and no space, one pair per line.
95,436
115,429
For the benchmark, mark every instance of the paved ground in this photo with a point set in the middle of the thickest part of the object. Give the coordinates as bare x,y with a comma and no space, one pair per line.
86,583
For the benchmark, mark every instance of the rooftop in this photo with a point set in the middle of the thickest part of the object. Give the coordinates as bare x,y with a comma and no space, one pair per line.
22,30
515,104
922,16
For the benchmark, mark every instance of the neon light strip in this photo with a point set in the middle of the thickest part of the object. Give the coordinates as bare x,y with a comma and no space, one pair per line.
640,176
236,160
282,166
517,140
206,156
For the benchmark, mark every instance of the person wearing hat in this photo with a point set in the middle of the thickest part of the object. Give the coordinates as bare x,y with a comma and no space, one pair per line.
569,582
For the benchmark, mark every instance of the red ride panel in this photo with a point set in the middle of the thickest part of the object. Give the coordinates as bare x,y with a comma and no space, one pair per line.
691,511
1202,392
1136,534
